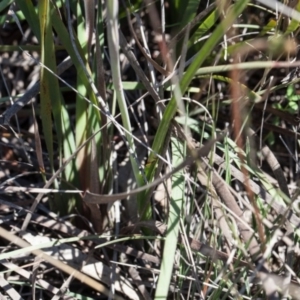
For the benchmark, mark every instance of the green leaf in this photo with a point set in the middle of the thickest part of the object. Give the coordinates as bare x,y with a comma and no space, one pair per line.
271,25
46,77
292,107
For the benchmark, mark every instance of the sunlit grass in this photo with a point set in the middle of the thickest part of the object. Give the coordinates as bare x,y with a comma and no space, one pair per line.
194,107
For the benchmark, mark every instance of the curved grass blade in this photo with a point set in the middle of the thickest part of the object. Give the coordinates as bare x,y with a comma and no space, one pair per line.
171,109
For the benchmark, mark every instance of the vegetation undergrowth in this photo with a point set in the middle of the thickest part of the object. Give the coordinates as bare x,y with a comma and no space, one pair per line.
149,149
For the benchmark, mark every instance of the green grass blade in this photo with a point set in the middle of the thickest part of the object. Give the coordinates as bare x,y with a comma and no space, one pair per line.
294,24
170,111
31,16
176,204
64,37
51,104
216,36
4,4
46,78
269,27
82,107
190,7
113,43
207,24
71,171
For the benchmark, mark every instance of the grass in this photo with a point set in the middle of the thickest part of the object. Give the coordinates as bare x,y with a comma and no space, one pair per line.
159,157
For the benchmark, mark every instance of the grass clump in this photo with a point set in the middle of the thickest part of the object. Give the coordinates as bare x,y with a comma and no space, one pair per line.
149,150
